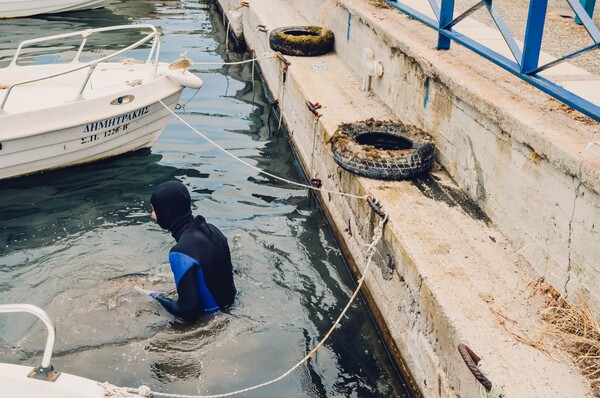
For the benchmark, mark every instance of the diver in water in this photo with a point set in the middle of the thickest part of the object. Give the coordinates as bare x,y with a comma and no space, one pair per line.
200,260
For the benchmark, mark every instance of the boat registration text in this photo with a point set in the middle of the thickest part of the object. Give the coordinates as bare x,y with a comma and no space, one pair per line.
108,127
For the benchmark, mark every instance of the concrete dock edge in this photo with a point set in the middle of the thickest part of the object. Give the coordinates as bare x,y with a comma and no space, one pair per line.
513,198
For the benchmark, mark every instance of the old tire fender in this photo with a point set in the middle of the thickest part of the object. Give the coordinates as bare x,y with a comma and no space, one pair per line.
302,40
382,150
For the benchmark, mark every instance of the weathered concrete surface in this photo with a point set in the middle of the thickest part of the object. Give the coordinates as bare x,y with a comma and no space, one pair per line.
445,273
506,144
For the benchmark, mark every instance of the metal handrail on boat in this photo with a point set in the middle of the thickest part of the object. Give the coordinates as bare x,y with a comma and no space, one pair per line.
154,53
45,371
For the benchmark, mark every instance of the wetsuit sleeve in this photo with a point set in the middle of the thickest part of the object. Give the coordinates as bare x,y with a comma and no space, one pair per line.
188,305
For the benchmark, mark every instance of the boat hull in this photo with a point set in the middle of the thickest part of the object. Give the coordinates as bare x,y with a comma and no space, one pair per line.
26,8
15,383
104,122
111,136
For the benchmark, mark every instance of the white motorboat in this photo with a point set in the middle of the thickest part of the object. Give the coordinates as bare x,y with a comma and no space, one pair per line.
44,380
26,8
70,112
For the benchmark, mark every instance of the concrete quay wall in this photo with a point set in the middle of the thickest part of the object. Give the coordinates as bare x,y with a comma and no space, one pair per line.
444,272
512,149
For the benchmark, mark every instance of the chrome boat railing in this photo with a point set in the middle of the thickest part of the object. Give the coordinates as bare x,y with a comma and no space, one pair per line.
153,54
45,371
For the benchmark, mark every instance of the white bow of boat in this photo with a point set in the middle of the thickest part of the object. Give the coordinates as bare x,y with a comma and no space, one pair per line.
72,111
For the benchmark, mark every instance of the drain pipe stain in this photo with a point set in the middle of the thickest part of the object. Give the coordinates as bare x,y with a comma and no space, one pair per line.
348,30
426,95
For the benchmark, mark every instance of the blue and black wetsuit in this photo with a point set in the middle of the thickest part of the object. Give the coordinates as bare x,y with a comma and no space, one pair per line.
200,261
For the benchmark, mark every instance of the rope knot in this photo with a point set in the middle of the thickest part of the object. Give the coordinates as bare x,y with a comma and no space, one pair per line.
144,391
495,392
112,391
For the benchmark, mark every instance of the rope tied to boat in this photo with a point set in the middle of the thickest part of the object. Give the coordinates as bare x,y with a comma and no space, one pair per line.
261,171
144,391
246,61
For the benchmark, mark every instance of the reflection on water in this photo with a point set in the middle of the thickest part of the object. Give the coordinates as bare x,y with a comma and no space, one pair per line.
76,241
14,31
45,208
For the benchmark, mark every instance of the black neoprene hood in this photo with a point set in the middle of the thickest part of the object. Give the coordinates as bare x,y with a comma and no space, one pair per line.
172,204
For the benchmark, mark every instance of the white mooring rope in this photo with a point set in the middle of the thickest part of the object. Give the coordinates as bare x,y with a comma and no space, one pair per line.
258,169
265,56
272,55
143,391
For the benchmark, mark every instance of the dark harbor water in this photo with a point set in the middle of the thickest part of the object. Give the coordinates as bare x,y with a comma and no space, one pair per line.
75,241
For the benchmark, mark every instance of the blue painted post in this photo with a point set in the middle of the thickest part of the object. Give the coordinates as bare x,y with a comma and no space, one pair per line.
446,16
533,35
588,6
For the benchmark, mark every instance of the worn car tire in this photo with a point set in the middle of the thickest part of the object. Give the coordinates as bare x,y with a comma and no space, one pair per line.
382,150
302,40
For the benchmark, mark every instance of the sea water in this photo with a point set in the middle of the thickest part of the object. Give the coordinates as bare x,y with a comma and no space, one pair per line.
76,241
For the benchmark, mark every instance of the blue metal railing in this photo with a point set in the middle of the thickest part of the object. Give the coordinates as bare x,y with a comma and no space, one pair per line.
525,64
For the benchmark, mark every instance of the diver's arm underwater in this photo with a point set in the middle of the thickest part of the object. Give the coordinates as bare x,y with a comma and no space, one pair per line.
188,306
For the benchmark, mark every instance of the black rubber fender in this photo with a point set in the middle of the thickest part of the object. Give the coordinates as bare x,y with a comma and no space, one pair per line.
383,150
302,40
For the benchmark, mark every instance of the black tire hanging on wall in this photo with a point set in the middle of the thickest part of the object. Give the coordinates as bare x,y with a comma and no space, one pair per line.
382,150
301,40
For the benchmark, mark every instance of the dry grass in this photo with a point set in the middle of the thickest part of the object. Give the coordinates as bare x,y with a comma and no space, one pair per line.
521,336
570,326
576,327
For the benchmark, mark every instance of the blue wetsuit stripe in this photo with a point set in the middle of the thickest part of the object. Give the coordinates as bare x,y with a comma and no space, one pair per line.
206,298
180,265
